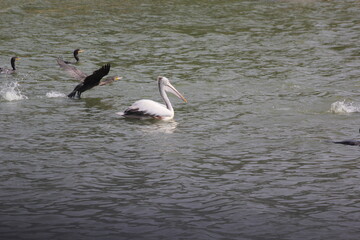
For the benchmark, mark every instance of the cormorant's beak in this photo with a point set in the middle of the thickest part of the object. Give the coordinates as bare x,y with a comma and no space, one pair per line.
80,51
117,78
17,58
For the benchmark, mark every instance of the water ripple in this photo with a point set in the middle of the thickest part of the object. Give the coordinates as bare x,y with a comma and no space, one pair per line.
248,157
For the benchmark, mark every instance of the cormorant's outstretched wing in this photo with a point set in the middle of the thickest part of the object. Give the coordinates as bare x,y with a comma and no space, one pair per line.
94,79
71,70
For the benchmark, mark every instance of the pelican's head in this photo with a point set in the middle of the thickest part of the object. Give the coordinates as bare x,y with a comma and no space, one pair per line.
165,84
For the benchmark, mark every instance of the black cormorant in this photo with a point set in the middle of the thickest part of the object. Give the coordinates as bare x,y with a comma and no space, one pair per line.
90,81
349,142
9,71
79,75
76,56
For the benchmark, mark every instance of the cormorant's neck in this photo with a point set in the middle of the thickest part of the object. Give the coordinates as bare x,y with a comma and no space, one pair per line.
76,57
13,64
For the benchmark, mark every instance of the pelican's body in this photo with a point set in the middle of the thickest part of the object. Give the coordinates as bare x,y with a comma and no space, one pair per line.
146,108
150,109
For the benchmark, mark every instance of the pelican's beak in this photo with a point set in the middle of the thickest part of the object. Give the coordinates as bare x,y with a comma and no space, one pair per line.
173,90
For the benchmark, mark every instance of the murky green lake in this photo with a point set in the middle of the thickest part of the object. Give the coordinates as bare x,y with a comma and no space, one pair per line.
269,85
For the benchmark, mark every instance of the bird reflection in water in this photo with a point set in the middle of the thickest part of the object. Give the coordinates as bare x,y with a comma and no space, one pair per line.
161,127
154,126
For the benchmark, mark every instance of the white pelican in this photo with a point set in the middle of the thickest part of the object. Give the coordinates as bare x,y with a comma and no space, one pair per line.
149,109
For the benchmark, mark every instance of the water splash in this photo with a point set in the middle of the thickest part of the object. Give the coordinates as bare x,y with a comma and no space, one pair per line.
54,94
344,107
11,92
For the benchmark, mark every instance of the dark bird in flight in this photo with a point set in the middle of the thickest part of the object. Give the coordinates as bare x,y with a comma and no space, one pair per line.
90,81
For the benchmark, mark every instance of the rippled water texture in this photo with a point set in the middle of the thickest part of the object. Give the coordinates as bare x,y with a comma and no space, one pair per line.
269,85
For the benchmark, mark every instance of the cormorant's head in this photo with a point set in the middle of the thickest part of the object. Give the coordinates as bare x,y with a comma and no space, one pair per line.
77,51
13,59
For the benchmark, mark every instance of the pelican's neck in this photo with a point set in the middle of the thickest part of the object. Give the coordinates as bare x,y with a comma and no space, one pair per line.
165,97
13,64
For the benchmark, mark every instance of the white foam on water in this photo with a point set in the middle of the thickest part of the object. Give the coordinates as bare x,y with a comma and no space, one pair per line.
54,94
11,92
344,107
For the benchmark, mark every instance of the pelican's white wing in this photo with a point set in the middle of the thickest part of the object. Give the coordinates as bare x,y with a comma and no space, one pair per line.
148,108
